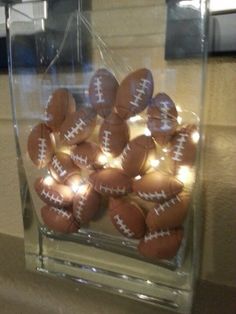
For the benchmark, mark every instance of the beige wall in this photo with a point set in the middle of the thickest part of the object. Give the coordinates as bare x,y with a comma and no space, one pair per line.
219,197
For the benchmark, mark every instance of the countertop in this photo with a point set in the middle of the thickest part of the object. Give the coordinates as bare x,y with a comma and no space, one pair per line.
23,292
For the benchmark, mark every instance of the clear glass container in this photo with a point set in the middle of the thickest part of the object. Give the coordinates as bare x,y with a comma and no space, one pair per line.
121,70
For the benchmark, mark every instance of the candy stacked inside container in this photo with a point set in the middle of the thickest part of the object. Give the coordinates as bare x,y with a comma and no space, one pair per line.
100,153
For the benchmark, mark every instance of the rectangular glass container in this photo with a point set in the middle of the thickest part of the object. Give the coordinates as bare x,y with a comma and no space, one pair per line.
58,46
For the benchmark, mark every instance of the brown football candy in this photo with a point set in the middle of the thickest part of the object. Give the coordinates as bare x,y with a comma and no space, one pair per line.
59,219
184,146
136,155
134,93
128,218
102,92
169,214
162,244
113,135
53,193
40,148
62,167
157,187
162,118
78,126
86,155
86,204
111,182
60,104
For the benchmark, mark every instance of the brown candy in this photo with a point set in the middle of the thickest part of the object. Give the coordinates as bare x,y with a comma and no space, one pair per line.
113,135
60,104
40,148
53,193
102,92
128,218
157,187
169,214
136,155
59,219
162,118
86,204
134,93
62,167
162,244
78,126
86,155
110,182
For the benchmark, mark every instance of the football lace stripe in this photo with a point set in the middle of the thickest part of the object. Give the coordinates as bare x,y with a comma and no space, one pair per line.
153,196
58,167
98,89
166,205
180,146
122,226
140,92
73,131
42,149
157,234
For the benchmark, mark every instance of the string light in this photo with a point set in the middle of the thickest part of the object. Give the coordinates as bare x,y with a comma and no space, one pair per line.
115,162
195,137
137,178
154,163
179,119
48,180
82,188
178,108
135,118
165,150
147,132
185,175
102,159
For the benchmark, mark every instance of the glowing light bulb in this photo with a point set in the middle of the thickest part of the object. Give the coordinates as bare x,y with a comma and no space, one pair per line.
195,137
65,150
165,150
155,163
137,178
102,159
81,188
185,175
178,108
135,118
179,120
147,132
48,180
115,162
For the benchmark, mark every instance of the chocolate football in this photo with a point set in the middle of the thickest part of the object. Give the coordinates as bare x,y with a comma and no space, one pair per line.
169,214
184,146
39,145
162,118
136,155
86,204
85,155
162,244
102,92
113,135
53,193
111,182
59,219
134,93
60,104
128,218
157,187
78,126
62,167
